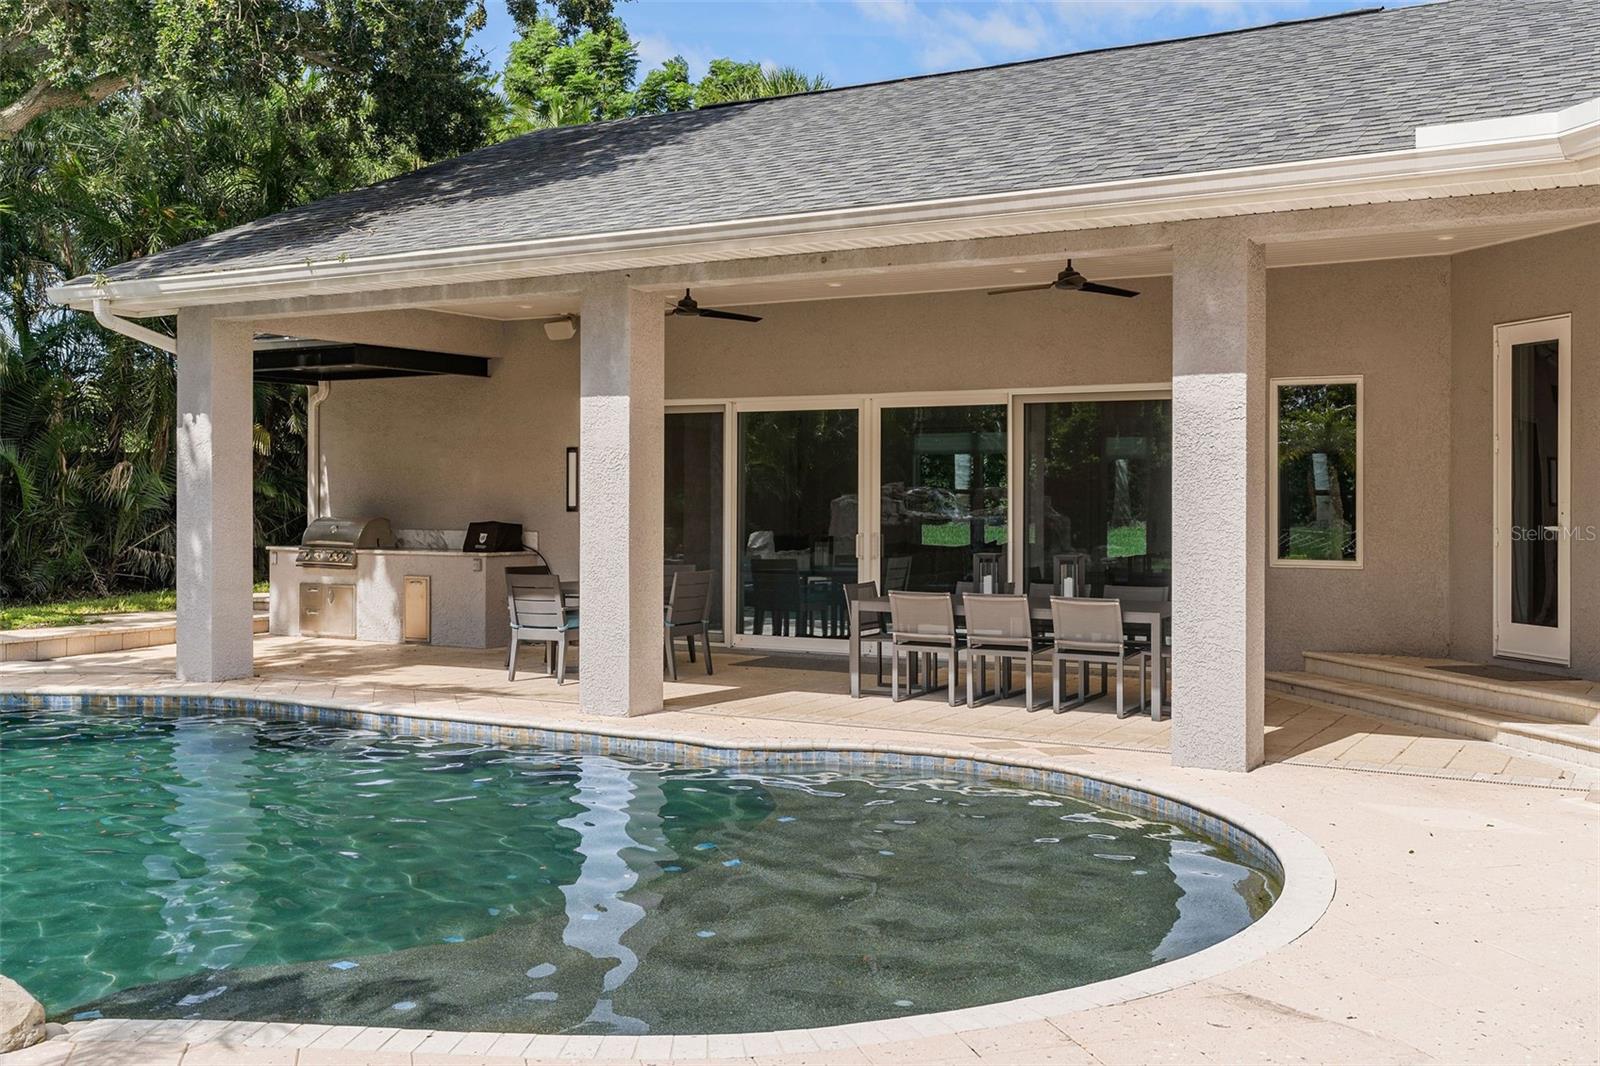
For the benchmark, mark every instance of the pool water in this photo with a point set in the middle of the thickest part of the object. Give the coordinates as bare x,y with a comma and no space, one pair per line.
228,867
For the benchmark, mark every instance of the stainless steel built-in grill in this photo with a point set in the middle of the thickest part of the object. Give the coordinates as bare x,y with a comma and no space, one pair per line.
332,543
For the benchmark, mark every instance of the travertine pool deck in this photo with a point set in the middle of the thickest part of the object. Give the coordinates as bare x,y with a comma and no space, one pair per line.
1465,927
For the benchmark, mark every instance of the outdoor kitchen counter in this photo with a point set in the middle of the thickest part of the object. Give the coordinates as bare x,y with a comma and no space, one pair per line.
466,592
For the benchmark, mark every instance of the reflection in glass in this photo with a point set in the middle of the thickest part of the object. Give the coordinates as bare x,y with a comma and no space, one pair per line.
797,520
1535,473
943,504
1317,435
1098,493
694,498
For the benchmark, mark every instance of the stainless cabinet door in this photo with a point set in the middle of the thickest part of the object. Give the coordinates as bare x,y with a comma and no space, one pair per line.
310,609
339,611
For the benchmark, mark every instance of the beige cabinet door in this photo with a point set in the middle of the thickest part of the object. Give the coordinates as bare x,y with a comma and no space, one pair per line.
418,622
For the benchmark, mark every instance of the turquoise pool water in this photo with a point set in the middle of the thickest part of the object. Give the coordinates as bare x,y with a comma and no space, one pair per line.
229,867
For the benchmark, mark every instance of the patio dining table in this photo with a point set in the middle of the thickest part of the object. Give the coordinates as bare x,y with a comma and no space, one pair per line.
1152,613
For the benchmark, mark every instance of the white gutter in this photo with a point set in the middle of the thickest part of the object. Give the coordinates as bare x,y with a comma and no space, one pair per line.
1530,151
142,334
314,398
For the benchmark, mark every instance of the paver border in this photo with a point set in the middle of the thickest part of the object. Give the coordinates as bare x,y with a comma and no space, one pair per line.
1307,874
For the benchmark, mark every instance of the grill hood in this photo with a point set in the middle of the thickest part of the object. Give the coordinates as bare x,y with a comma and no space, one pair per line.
349,533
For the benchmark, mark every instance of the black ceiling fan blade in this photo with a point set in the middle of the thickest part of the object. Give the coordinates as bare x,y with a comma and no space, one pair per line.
731,316
1105,290
1023,288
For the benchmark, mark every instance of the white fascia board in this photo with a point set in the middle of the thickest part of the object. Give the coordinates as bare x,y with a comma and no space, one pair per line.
1544,158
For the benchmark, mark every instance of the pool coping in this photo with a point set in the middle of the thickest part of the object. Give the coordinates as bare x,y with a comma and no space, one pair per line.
1307,874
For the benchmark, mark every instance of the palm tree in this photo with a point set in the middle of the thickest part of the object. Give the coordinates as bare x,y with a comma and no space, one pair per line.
87,416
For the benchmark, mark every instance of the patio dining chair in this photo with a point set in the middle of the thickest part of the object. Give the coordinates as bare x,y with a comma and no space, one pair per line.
924,623
870,628
1147,594
537,611
775,592
999,627
1039,593
1090,631
688,613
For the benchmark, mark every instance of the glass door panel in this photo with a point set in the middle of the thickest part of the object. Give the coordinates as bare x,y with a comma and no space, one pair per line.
694,499
942,497
1097,493
799,477
1535,481
1533,485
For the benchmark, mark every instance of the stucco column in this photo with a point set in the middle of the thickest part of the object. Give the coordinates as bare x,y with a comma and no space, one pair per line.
621,517
1219,394
215,525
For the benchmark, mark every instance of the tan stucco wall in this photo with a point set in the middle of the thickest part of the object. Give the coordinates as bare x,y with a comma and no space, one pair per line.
927,343
1552,275
1389,322
437,453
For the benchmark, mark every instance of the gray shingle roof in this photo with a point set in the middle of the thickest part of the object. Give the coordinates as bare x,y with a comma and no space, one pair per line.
1299,91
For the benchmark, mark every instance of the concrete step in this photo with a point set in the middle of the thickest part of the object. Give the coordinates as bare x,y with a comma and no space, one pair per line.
1561,741
1489,687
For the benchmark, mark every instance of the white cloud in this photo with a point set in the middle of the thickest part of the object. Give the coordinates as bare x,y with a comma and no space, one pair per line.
1009,29
946,34
894,12
655,50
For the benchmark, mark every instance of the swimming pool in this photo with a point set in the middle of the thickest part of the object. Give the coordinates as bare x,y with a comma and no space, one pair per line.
230,866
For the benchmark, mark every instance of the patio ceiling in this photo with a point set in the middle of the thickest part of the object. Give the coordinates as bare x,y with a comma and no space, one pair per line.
958,277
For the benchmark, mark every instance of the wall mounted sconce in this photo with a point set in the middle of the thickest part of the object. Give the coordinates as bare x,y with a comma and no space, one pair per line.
561,329
572,479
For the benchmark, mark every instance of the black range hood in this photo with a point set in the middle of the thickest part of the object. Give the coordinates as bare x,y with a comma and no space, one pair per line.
310,363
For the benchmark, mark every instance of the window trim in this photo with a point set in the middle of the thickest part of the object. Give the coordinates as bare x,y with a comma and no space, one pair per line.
1359,562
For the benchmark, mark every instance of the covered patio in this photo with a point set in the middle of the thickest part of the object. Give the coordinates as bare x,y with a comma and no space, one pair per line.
1178,379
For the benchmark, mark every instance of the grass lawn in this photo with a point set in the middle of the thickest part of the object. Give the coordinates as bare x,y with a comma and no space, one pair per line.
88,611
1124,542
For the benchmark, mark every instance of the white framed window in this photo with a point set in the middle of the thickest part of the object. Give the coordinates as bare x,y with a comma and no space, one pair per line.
1315,481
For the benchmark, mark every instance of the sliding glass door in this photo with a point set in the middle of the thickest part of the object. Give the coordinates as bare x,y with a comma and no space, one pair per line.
798,491
941,496
787,501
693,498
1097,492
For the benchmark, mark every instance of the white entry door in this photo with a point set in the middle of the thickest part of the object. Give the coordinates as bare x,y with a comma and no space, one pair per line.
1533,490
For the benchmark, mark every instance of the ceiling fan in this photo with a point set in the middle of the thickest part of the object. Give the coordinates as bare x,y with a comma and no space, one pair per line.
1071,281
687,308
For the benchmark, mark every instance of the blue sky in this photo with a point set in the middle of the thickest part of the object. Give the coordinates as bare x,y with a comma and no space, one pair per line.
854,41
